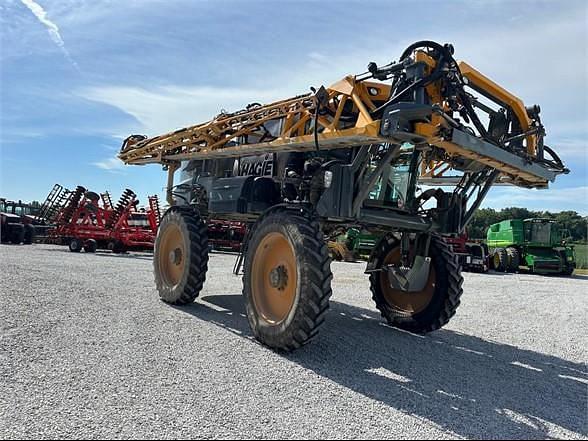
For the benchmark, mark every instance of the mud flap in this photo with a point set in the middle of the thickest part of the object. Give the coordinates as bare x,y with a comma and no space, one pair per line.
409,279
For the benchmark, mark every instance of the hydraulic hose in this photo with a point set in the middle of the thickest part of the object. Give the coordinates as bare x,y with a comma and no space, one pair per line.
445,55
429,44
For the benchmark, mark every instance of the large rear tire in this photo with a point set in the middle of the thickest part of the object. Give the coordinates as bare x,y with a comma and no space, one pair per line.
513,259
500,260
287,279
426,310
180,258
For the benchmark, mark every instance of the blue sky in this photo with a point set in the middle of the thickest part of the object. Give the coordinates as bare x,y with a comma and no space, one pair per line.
77,76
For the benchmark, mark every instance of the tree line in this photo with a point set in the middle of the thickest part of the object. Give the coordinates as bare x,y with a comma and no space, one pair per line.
484,217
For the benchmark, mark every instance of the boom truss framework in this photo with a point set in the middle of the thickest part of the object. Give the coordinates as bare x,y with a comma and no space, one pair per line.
350,113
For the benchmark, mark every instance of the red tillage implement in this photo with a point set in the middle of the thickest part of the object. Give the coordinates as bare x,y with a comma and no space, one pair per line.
89,221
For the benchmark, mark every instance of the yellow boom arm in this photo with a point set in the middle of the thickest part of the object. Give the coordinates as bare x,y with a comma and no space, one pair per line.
430,103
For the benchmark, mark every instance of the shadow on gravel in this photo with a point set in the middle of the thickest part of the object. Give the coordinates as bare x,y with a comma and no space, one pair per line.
493,273
476,388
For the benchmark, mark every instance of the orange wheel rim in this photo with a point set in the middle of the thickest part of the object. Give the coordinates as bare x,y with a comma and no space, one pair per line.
274,278
408,302
172,255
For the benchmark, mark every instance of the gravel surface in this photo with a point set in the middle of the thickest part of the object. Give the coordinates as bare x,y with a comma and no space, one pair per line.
87,350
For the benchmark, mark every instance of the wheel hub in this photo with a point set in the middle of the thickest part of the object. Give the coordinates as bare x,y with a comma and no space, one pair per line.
175,256
278,277
274,277
170,255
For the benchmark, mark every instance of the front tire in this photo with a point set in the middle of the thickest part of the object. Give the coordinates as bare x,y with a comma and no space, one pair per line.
426,310
180,258
287,279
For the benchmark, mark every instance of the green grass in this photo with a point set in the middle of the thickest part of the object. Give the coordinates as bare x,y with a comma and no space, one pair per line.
581,256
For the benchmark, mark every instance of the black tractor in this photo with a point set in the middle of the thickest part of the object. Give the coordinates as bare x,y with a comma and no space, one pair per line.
12,230
18,221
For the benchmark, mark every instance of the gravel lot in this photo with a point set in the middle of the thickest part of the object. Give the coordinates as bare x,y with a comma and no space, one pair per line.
87,350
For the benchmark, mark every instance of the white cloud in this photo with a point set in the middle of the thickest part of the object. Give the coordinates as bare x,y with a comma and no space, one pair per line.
52,28
110,164
168,108
318,57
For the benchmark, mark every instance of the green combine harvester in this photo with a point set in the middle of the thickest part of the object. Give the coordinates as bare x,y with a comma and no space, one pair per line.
537,245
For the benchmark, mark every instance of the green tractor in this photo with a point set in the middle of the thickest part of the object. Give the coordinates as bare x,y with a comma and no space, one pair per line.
538,245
